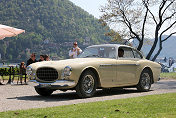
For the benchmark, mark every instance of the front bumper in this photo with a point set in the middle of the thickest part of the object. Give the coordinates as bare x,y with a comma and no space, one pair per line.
58,83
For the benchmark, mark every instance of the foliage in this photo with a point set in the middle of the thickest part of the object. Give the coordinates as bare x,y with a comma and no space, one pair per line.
115,36
153,106
6,71
49,26
141,20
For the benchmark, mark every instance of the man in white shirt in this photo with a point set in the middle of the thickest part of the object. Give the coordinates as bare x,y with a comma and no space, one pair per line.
75,51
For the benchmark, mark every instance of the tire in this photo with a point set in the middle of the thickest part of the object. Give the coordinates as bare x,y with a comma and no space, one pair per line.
87,85
43,91
145,81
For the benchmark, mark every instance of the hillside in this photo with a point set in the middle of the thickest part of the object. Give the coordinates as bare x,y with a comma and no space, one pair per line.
51,27
168,48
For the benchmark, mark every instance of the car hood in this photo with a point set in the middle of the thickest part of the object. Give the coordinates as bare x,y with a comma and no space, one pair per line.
70,62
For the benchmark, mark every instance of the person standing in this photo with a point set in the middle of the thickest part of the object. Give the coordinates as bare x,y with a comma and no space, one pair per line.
47,58
75,51
42,58
31,60
22,72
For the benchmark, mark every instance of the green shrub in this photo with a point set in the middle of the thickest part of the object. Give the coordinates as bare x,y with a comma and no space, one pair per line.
6,71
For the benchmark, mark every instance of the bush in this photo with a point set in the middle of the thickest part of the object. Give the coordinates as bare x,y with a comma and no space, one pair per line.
6,71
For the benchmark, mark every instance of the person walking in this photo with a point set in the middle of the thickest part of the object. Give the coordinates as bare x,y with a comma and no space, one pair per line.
75,51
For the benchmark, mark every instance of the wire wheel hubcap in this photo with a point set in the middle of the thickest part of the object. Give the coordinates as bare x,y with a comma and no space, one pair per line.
88,84
145,80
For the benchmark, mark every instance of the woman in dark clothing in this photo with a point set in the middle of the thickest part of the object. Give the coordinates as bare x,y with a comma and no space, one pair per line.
42,58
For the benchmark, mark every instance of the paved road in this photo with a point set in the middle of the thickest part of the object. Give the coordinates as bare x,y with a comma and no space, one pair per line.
15,97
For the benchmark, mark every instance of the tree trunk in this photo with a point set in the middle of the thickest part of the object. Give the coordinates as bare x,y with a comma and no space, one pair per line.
154,44
156,55
140,45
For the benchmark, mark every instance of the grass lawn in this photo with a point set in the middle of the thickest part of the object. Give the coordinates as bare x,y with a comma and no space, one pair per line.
168,75
153,106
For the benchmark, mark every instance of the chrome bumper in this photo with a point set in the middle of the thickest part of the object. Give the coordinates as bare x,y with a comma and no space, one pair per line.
58,83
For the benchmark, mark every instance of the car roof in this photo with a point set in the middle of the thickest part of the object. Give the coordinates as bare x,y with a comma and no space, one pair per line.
110,45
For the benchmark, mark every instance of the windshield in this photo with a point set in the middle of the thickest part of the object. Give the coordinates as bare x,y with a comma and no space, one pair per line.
99,52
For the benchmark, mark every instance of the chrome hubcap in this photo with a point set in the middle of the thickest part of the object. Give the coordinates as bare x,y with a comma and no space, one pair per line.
88,84
145,80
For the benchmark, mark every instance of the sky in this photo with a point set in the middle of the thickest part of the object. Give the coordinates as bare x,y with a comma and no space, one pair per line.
91,6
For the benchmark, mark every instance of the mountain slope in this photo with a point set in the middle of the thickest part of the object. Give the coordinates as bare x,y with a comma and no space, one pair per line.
168,47
51,21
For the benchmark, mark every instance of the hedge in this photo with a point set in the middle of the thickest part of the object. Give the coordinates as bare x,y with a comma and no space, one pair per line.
6,71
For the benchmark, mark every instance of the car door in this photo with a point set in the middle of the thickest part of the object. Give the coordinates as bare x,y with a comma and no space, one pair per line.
107,68
126,67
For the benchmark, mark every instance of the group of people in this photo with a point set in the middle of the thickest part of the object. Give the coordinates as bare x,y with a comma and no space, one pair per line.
33,59
30,61
73,53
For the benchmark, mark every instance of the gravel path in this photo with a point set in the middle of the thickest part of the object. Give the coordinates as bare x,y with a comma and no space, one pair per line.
17,97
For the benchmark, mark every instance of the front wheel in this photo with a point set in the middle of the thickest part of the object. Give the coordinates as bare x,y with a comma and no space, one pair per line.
87,85
145,81
43,91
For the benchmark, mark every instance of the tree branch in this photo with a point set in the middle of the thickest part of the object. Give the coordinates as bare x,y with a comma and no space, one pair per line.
162,4
149,11
168,7
168,28
168,36
143,26
168,17
160,14
129,26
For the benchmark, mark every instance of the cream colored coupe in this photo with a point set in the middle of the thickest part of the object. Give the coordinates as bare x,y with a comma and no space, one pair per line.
99,66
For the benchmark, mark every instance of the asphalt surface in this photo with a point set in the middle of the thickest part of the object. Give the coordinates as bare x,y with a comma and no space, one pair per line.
18,97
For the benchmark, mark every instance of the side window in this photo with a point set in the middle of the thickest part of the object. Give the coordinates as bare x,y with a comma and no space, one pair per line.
107,52
112,53
137,54
127,52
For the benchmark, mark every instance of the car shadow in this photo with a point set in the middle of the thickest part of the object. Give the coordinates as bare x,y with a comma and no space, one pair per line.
67,96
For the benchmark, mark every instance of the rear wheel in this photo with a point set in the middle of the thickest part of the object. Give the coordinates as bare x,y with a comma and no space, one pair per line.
87,84
145,81
43,91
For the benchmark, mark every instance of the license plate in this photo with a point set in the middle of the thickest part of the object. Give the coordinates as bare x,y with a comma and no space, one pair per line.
45,85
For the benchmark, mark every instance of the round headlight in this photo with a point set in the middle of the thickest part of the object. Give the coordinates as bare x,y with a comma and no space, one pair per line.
67,71
29,70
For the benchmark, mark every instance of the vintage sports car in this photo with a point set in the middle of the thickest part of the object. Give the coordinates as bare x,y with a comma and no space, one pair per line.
98,67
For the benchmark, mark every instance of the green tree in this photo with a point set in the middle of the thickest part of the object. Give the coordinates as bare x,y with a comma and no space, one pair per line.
59,21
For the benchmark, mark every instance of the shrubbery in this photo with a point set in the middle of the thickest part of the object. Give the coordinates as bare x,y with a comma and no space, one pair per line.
6,71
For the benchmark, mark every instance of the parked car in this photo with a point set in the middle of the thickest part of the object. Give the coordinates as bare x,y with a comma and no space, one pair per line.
99,66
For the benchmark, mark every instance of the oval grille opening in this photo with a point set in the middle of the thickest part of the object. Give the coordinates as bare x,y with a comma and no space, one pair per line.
47,74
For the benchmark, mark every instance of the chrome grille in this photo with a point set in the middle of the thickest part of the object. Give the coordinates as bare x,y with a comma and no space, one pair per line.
47,74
